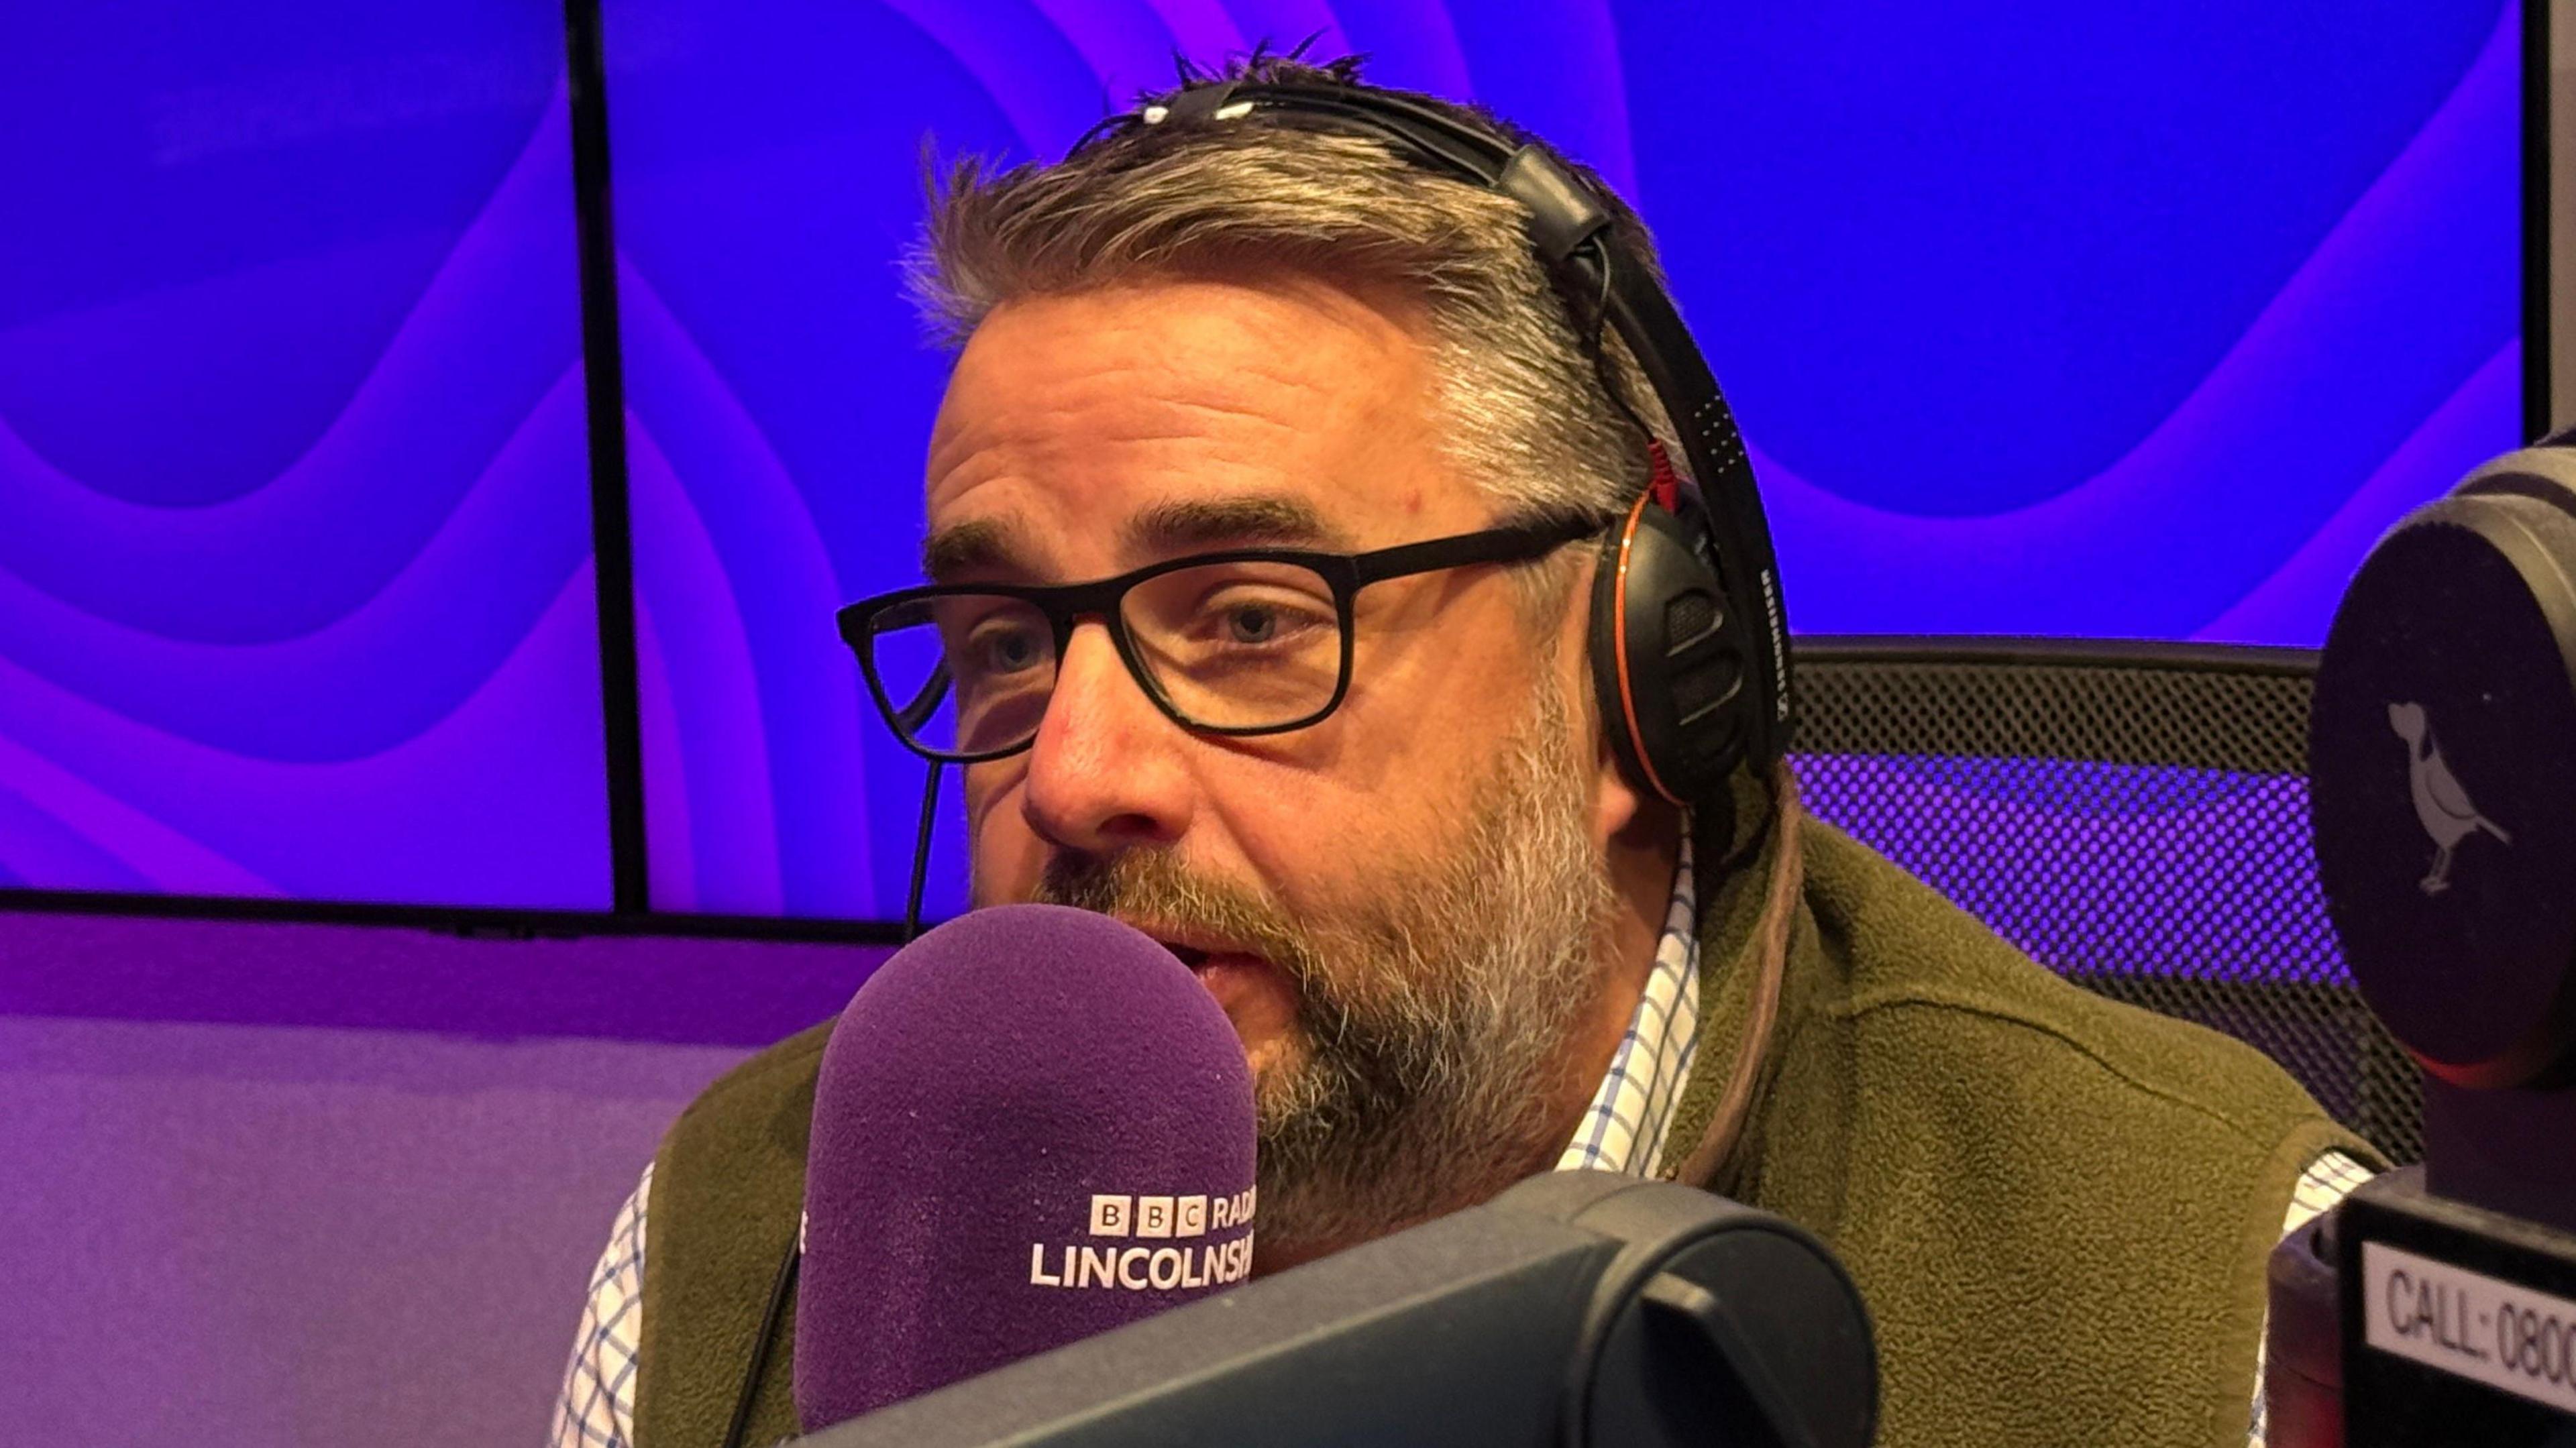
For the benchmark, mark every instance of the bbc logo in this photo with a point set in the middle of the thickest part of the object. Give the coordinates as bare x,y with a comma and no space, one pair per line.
1129,1216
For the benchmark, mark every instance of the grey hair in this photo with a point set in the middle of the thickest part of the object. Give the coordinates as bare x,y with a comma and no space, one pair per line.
1527,417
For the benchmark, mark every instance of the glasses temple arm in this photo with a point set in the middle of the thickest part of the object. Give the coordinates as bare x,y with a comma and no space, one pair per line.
924,704
1517,544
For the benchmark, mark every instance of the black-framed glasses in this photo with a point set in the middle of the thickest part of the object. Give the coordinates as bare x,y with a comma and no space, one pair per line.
1243,642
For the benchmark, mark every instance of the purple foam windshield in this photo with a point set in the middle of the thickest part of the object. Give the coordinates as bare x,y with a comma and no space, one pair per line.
1032,1125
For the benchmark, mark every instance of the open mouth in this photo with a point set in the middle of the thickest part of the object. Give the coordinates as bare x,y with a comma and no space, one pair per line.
1251,992
1209,963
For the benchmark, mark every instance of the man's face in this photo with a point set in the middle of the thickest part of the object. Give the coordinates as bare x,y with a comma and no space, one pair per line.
1400,908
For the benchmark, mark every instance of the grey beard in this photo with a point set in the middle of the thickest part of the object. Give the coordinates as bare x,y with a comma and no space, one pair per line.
1431,1022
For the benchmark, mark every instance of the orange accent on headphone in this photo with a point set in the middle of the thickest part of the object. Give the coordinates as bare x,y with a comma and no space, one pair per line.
1619,640
1664,485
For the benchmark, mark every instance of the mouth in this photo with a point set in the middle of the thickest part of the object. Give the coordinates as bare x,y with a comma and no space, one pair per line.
1202,958
1229,971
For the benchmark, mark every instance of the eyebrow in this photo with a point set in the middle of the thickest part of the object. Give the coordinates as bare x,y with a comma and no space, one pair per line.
982,545
987,545
1254,521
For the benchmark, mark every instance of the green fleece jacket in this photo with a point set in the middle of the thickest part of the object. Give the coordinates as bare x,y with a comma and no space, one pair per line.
2057,1207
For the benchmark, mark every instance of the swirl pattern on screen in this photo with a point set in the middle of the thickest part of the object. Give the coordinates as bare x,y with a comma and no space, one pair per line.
295,558
2129,321
2078,321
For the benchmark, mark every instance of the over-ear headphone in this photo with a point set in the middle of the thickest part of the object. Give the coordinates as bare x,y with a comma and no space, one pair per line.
1689,638
2442,774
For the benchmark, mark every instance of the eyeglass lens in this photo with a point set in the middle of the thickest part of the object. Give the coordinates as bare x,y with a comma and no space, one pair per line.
1237,645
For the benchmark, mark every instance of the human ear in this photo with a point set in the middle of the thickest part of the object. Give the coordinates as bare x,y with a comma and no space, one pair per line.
1617,804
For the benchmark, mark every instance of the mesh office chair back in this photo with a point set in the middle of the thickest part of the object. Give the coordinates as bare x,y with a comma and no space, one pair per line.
2135,816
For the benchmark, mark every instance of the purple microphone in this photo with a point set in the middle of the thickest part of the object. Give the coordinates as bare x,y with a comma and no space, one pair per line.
1032,1124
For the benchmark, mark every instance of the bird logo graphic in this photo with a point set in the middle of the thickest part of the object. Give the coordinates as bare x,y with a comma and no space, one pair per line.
2440,803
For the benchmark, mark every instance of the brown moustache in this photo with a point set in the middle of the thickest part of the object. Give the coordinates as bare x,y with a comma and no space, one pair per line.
1154,891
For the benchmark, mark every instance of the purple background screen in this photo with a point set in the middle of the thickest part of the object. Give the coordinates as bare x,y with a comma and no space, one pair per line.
2054,321
2050,321
295,549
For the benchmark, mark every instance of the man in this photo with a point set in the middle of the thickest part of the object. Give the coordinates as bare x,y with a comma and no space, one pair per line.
1461,944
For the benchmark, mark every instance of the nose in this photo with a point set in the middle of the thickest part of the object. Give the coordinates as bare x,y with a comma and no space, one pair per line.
1106,770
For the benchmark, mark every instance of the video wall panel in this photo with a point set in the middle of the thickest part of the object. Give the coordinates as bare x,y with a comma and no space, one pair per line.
295,553
2097,321
778,392
2045,320
2114,321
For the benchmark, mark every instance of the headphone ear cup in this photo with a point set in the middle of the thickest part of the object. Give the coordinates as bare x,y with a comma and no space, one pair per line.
2544,472
1668,664
1609,686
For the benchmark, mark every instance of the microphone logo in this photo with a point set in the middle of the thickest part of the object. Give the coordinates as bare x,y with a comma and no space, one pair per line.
2442,805
1196,1258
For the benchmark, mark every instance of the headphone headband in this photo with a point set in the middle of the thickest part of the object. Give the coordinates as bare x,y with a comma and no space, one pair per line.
1572,231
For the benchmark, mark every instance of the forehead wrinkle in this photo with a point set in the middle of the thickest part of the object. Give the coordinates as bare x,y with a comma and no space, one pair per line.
1063,431
1129,407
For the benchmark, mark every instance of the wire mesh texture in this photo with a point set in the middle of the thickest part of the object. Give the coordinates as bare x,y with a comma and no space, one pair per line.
2135,816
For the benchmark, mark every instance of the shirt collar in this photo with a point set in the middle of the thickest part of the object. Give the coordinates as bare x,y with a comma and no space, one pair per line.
1632,1112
